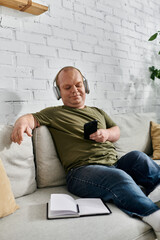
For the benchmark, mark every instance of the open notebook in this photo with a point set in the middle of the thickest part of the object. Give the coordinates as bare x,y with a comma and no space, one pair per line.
64,206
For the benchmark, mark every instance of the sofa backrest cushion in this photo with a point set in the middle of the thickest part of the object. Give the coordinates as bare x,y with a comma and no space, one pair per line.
49,168
18,161
135,132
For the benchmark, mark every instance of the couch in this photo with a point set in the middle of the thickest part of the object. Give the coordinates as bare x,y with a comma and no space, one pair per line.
35,172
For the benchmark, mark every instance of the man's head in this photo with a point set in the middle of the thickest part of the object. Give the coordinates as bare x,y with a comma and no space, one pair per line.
70,82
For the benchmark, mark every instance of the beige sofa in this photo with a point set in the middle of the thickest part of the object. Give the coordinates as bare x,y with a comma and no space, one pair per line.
35,172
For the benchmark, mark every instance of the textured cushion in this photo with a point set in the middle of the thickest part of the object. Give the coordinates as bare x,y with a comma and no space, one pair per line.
29,223
7,201
49,169
155,135
18,162
135,132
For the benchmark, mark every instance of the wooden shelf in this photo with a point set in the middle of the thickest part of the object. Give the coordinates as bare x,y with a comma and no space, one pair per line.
25,6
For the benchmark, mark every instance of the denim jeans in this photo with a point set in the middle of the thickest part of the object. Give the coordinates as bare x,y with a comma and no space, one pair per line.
119,183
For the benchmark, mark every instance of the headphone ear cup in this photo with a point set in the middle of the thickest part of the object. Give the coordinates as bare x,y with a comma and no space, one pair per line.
87,90
56,91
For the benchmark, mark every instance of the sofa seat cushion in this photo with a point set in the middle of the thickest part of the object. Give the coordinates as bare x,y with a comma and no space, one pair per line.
135,132
18,161
30,222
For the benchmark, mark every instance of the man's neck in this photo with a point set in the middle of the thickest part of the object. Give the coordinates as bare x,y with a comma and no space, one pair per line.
81,107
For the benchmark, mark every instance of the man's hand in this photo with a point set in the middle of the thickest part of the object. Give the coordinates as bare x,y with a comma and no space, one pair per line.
18,131
24,124
102,135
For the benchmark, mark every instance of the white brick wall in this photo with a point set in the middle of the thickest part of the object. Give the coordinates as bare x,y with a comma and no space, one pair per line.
107,40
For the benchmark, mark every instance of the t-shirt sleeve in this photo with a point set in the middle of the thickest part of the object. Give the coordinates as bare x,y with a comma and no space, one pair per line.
44,117
109,122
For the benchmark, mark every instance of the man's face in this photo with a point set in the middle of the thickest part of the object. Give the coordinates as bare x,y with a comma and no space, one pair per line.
72,89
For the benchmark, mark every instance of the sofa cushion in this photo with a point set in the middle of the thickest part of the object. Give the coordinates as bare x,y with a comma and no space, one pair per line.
135,132
49,169
30,223
155,136
7,201
18,161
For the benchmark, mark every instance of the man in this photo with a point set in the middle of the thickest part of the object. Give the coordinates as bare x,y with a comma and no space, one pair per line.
91,166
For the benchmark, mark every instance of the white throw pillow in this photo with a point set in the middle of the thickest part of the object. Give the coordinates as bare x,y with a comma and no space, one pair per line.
49,168
18,161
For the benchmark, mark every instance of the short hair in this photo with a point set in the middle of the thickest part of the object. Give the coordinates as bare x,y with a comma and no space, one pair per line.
67,68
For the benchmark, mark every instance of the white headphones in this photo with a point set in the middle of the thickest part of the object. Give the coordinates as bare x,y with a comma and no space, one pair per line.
56,89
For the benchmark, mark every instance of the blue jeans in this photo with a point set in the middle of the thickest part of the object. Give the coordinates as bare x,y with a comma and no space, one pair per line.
119,183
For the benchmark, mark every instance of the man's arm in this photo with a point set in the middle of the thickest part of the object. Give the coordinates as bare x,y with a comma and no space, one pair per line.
102,135
24,124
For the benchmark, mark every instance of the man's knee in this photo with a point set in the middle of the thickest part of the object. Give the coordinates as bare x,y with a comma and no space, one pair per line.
137,156
122,176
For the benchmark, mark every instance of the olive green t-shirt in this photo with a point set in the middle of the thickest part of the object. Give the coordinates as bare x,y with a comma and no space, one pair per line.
66,126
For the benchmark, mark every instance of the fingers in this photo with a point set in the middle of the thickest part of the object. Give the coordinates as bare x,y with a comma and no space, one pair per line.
17,136
99,136
95,135
28,131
